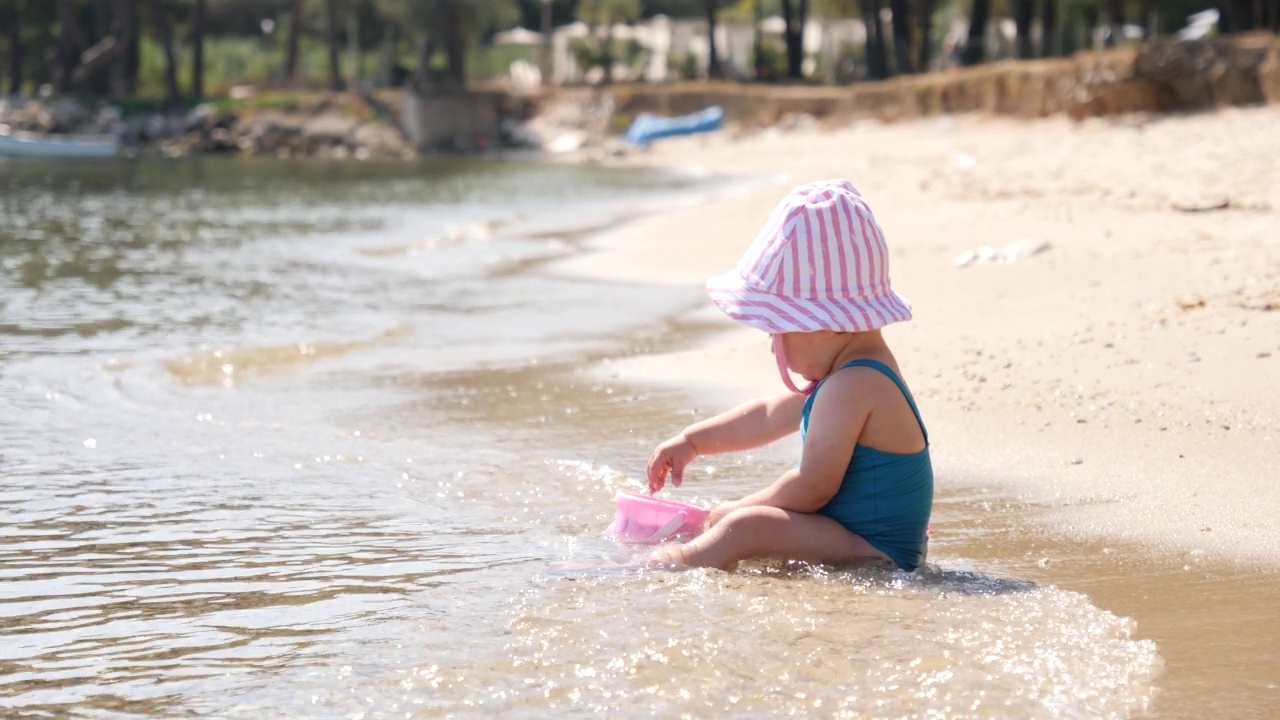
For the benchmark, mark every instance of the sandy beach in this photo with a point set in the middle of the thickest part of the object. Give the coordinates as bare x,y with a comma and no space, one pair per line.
1095,349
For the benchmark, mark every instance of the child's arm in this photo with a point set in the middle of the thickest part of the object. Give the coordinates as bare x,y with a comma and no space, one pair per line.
747,426
835,423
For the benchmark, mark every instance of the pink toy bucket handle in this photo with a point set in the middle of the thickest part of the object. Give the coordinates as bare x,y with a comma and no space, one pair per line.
676,522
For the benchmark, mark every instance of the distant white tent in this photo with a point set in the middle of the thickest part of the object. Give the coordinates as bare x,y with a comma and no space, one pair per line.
1199,25
773,24
518,36
574,29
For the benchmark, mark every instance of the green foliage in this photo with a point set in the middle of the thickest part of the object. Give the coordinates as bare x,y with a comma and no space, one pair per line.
233,61
586,53
589,53
745,10
608,12
486,62
452,26
848,59
431,18
770,61
684,65
838,8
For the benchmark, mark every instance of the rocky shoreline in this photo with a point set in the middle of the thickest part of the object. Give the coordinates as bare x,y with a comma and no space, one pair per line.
321,125
317,127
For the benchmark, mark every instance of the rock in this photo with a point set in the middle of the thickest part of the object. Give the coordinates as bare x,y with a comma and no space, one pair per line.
64,116
1269,74
1206,73
330,129
378,140
221,140
271,134
207,117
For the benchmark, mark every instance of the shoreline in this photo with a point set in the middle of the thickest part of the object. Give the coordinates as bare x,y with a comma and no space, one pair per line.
1112,395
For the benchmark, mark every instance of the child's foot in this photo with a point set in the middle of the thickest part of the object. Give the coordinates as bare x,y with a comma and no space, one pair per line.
667,557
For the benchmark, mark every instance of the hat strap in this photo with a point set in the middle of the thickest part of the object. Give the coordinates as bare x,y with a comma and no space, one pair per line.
780,355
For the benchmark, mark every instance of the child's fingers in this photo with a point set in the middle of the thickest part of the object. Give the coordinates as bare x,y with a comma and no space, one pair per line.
657,474
654,469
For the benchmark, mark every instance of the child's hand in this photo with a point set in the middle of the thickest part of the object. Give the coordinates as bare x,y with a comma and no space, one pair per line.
671,457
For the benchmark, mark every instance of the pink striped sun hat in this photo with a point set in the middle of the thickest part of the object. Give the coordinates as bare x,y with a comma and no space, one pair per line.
819,263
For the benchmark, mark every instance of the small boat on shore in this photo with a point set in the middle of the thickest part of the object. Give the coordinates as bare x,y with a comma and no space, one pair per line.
648,127
15,143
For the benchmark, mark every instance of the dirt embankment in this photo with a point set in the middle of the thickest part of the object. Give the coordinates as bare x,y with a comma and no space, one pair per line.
1164,75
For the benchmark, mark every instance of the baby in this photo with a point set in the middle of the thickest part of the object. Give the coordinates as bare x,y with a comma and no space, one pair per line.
817,280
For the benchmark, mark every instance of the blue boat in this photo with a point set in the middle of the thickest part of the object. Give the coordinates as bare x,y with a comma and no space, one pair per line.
648,127
32,145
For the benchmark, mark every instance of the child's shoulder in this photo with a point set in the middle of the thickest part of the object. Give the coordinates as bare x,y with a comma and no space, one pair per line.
864,383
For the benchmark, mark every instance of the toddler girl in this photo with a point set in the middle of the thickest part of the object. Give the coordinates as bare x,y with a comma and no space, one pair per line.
817,280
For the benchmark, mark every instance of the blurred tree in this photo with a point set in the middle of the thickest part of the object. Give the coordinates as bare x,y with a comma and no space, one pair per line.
876,49
451,26
1049,46
975,45
243,17
713,57
1115,21
604,14
760,68
164,33
674,8
1022,18
562,12
333,41
101,19
1247,15
197,48
902,35
12,17
124,81
70,44
295,36
877,55
794,15
924,33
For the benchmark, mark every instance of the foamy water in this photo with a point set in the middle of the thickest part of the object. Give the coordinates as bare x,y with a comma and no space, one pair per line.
317,443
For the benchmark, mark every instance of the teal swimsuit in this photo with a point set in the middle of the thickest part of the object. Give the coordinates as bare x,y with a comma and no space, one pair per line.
885,497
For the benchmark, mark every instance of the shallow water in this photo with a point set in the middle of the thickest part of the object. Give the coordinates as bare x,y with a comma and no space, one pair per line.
314,441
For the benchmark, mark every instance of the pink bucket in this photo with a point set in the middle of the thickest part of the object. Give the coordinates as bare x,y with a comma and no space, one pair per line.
650,520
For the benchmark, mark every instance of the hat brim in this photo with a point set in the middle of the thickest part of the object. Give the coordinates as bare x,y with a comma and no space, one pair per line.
778,314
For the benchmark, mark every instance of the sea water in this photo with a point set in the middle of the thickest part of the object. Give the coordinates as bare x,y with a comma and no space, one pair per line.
290,439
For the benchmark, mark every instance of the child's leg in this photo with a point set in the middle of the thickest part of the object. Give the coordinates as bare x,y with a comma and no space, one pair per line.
769,532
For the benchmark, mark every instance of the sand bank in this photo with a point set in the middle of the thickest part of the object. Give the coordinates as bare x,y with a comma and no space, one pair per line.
1123,370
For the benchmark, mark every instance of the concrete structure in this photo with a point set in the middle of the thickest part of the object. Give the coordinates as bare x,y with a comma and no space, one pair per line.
454,121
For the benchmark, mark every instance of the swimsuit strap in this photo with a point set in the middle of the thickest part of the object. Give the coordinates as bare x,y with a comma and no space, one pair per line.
888,372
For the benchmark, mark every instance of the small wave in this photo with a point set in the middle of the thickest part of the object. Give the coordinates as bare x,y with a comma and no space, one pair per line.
453,235
225,366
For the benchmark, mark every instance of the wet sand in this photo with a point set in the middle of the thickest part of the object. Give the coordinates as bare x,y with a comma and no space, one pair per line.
1112,396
